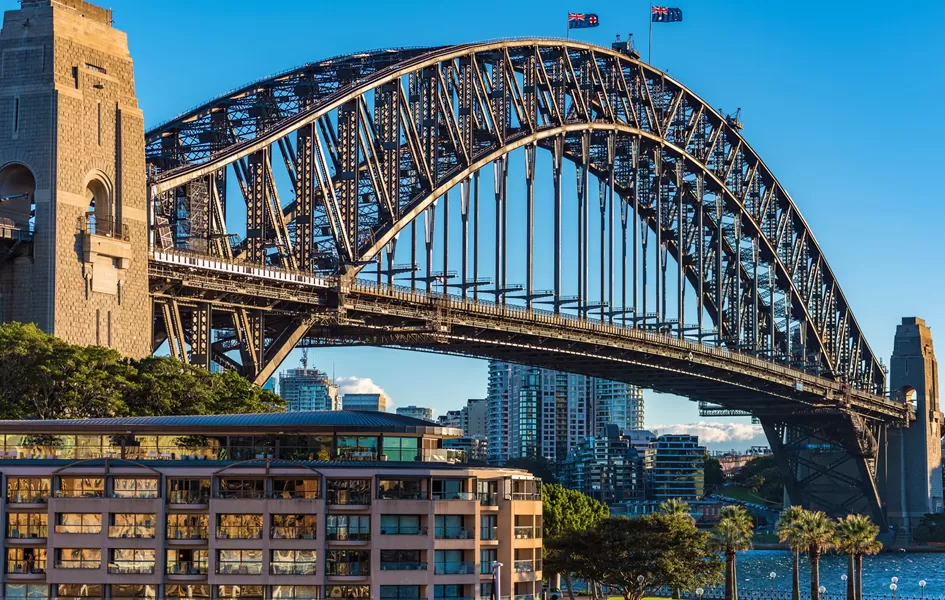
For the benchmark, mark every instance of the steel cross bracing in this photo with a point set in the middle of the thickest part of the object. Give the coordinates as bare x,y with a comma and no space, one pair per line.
362,168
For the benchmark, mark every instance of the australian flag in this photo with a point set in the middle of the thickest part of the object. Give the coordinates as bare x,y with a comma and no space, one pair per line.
582,20
663,14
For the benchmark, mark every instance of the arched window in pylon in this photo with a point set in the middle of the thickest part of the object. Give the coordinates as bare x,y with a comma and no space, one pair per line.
17,188
910,396
100,217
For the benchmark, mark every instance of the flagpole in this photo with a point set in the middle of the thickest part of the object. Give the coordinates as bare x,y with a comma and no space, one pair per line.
649,52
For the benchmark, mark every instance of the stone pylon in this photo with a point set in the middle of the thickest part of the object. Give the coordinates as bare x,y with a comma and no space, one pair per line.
72,177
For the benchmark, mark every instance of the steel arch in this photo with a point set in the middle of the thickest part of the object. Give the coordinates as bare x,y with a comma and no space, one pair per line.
538,95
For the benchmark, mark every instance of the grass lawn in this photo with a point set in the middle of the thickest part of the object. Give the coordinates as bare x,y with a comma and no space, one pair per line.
740,493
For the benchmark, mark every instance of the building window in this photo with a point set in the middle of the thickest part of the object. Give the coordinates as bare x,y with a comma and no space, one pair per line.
487,556
133,591
80,590
402,560
244,592
78,523
348,528
132,525
131,561
26,560
26,525
401,592
133,487
81,487
349,491
451,489
187,591
246,489
351,447
450,562
27,490
188,491
239,527
292,562
239,562
295,488
78,558
487,527
402,449
347,592
187,526
294,527
401,525
400,489
187,561
448,591
348,563
295,592
26,591
450,527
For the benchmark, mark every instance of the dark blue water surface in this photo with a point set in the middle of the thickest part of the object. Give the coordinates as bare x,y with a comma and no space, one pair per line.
754,567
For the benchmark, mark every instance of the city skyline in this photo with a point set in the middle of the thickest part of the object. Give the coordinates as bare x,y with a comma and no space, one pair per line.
783,122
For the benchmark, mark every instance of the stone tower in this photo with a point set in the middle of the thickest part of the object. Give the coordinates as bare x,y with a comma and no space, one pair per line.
913,462
72,173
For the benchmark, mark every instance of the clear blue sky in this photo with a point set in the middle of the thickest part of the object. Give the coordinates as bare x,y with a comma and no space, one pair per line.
842,100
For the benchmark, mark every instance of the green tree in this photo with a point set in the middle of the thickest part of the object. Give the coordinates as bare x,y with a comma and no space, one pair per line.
677,509
564,513
816,531
856,536
539,466
787,529
714,475
638,555
732,534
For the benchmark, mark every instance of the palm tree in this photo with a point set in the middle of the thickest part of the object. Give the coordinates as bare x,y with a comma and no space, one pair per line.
732,534
676,508
787,533
817,532
856,536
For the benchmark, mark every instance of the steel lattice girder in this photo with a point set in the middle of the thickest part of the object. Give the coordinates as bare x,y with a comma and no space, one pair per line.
696,183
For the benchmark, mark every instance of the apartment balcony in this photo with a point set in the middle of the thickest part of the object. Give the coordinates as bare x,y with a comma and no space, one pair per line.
292,568
341,499
455,568
239,568
185,499
79,529
404,531
292,533
187,570
404,566
26,569
80,564
131,568
26,533
124,531
36,499
187,533
452,533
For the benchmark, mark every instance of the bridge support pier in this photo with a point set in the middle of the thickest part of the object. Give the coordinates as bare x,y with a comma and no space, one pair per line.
828,462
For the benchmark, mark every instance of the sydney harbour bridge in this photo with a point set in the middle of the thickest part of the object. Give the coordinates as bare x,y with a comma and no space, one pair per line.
541,201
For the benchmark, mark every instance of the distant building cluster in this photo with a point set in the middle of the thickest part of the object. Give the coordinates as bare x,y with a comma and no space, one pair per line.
620,468
308,389
473,420
375,402
535,412
417,412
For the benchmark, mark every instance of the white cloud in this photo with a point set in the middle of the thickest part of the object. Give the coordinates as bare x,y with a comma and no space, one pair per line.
360,385
715,433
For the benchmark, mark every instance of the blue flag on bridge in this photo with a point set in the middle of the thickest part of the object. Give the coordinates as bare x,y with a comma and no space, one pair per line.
663,14
582,20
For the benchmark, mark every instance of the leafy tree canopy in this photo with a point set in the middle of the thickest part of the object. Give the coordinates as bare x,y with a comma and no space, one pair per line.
568,510
43,377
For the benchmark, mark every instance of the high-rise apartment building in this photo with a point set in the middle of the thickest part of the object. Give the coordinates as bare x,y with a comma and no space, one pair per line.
375,402
541,412
476,418
308,389
678,468
607,468
416,412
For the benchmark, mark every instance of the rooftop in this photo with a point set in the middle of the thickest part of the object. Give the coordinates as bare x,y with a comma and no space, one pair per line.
320,421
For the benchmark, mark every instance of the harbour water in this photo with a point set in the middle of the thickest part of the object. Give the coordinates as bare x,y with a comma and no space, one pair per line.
754,567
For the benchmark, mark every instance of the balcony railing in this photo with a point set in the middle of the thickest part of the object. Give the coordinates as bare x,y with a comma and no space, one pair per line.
28,498
26,567
292,568
524,532
82,563
99,225
80,493
242,494
404,530
131,568
292,533
185,497
401,495
129,531
488,499
86,529
455,496
342,497
239,568
455,568
451,533
527,566
361,569
239,532
187,532
343,535
20,532
357,454
134,494
187,568
403,566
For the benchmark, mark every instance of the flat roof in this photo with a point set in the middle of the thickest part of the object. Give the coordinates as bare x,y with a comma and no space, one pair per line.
308,422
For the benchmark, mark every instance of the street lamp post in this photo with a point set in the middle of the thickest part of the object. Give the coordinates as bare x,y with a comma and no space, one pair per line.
893,587
821,591
496,571
772,575
922,586
699,592
843,578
